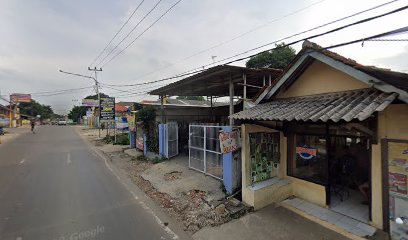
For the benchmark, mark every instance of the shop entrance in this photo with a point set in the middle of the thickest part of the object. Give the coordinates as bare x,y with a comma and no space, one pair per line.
349,176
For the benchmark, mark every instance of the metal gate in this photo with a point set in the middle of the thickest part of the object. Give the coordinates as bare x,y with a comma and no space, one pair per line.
204,150
168,139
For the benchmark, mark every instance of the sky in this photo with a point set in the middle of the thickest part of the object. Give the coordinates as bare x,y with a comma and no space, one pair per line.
41,37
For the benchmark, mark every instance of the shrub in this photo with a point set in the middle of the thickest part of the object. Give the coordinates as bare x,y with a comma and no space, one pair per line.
141,158
122,139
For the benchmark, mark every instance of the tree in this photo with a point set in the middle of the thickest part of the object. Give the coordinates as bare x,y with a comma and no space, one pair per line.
197,98
76,113
34,108
278,58
95,97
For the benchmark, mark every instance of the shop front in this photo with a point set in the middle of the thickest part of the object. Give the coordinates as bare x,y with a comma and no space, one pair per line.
333,133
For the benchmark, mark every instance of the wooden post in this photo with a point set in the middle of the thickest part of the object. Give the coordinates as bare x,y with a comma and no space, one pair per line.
231,103
162,108
245,91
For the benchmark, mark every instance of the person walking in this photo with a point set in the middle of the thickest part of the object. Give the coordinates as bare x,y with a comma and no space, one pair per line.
32,123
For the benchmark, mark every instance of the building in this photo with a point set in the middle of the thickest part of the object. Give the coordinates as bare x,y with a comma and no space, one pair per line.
330,132
201,125
4,116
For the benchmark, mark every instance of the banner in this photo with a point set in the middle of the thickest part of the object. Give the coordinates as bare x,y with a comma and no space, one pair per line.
20,98
107,111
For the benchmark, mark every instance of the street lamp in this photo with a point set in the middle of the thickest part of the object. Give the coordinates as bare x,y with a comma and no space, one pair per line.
97,91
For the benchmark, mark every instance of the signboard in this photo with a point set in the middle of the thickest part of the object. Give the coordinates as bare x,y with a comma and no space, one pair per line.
306,152
20,98
121,123
89,113
90,103
229,141
107,112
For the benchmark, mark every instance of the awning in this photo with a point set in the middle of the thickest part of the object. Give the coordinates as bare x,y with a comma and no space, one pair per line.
356,104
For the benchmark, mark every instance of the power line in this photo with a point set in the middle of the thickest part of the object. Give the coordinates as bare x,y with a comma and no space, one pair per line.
237,37
129,93
400,30
151,25
63,90
280,40
116,34
61,93
130,32
159,80
303,39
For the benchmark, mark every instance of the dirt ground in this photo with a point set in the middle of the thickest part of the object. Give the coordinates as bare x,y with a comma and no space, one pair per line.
190,207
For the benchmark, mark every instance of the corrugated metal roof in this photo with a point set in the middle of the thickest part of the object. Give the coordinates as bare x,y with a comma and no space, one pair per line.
356,104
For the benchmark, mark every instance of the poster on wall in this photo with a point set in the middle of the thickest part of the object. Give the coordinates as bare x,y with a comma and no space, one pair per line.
230,141
306,152
397,185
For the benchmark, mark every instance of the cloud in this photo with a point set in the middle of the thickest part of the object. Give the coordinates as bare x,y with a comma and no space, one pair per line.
40,37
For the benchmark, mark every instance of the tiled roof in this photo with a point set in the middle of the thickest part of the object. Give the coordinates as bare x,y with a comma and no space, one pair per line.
397,79
356,104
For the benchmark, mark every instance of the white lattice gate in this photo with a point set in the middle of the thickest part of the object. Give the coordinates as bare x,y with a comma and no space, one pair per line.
204,150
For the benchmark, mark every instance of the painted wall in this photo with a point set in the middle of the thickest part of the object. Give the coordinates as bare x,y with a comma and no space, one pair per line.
392,124
259,197
321,78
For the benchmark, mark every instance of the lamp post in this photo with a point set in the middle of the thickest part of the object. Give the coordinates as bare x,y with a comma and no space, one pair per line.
96,89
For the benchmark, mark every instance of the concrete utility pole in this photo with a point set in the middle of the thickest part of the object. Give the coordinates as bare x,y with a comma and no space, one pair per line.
97,92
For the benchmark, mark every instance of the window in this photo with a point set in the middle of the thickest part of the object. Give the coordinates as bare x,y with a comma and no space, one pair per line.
265,157
308,158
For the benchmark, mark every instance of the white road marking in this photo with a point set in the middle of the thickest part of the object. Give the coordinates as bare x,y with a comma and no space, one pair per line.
69,158
19,238
22,161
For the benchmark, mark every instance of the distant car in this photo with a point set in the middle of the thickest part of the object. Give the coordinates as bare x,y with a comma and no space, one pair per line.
62,122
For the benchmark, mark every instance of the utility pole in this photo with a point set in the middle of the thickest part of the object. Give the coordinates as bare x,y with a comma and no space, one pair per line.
97,92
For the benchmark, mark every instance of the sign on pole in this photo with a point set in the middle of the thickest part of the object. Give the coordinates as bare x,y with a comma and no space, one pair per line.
229,141
107,110
20,98
90,103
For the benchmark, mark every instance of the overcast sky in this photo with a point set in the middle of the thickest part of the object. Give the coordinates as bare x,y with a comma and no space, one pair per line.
39,37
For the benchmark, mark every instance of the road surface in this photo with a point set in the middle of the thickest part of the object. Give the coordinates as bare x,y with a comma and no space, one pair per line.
54,186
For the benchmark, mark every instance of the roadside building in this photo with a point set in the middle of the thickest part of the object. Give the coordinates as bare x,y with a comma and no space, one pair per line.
330,132
202,123
4,116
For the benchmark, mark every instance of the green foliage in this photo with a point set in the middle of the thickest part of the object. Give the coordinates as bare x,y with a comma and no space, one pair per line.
141,158
34,108
159,159
76,113
122,139
197,98
95,97
153,142
278,58
147,115
108,139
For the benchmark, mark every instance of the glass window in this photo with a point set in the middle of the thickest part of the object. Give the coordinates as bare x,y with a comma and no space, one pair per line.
265,157
309,158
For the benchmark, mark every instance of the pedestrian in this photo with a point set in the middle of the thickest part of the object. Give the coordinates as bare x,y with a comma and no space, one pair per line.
32,123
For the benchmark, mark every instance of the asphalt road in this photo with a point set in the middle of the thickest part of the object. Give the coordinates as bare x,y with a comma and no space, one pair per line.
54,186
